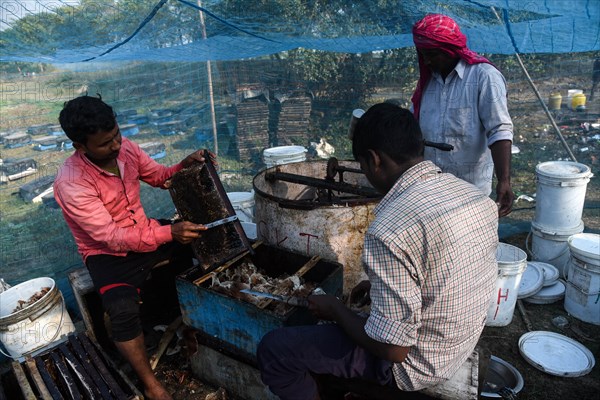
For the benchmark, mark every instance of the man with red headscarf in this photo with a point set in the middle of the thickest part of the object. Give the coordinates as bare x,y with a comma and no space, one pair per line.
461,100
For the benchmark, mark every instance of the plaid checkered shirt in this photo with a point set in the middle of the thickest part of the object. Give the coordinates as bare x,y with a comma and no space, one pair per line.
430,255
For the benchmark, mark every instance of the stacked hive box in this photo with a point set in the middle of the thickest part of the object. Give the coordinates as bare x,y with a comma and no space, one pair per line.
294,118
252,132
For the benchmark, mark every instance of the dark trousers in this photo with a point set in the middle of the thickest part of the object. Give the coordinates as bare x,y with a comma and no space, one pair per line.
289,357
120,282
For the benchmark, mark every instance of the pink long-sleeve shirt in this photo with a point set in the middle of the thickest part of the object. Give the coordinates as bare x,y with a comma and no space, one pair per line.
103,210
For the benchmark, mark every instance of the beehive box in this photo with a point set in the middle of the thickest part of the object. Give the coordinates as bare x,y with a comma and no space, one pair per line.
241,324
199,197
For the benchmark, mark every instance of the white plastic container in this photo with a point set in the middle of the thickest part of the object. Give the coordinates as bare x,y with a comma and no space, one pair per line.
583,284
549,245
283,155
512,261
250,230
561,187
35,327
243,204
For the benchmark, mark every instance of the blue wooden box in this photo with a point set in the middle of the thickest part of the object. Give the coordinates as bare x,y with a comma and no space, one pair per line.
239,324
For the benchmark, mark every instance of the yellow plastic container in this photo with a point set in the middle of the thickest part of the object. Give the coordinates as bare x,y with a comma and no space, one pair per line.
578,101
555,101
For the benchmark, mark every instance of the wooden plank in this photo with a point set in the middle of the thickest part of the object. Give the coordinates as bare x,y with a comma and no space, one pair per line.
65,377
50,384
303,270
102,368
164,341
81,280
81,284
38,382
308,266
86,361
228,264
26,389
86,383
463,384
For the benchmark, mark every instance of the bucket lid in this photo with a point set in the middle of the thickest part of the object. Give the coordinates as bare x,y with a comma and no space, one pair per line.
585,244
551,273
283,151
563,169
531,281
559,233
548,294
556,354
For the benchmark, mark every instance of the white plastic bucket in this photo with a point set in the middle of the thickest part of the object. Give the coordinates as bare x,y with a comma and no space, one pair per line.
582,296
283,155
550,245
561,187
243,204
36,326
250,230
512,261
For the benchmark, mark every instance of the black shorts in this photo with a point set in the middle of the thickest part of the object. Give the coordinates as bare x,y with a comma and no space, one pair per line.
120,280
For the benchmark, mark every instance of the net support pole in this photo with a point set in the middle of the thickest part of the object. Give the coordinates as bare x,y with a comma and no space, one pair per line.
210,88
537,93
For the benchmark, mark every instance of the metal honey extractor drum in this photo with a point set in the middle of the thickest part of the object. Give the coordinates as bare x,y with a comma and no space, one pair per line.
296,209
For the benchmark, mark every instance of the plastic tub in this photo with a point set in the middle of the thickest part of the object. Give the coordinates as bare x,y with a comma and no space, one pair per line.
36,326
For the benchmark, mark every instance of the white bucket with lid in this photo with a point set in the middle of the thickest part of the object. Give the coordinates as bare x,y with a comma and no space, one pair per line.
512,261
283,155
582,297
550,245
561,187
243,204
34,327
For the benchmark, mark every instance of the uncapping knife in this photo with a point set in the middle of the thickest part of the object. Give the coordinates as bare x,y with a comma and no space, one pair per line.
220,221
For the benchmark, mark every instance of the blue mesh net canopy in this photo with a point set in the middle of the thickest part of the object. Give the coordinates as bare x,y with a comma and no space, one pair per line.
69,32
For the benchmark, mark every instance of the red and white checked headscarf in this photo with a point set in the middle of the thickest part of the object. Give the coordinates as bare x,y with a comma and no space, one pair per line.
437,31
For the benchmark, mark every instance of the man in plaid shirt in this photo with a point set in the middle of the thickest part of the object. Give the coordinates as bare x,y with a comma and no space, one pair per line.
430,255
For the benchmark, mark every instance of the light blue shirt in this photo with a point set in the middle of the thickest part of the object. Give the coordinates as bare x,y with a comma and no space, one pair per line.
468,110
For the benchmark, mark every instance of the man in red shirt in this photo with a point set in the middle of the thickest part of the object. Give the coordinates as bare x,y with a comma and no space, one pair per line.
98,190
